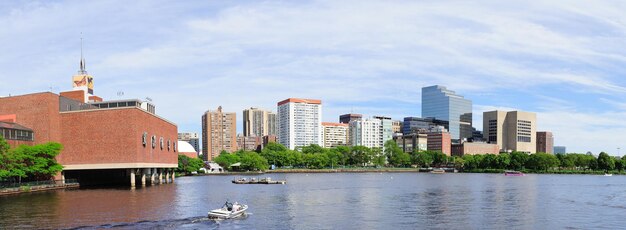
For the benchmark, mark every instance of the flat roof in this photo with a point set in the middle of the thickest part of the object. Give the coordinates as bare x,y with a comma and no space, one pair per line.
300,100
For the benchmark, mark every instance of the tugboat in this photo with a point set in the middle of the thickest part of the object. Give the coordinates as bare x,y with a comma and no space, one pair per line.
228,211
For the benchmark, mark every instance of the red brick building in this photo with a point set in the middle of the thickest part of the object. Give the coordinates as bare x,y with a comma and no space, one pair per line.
439,141
119,142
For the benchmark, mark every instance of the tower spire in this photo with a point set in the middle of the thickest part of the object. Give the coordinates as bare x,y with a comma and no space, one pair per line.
82,59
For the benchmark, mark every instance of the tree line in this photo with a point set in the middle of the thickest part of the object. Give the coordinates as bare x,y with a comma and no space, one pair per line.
29,163
316,157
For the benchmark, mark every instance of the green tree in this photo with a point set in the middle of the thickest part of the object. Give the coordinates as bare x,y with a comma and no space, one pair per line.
503,160
488,161
187,165
315,160
470,162
226,160
423,159
542,161
619,164
606,162
459,162
518,160
334,157
252,161
313,148
361,155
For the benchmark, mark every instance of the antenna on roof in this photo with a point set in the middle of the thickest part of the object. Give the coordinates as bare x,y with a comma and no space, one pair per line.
120,93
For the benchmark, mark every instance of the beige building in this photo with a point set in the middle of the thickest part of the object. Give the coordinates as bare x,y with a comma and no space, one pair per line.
512,131
335,134
258,122
219,132
545,142
396,126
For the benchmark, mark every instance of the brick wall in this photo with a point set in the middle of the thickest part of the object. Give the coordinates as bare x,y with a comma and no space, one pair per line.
38,111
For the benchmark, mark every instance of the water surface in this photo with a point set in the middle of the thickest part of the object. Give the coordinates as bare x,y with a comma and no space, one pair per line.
337,201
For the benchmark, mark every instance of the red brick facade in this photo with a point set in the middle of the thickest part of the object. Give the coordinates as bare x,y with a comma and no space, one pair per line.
439,142
92,138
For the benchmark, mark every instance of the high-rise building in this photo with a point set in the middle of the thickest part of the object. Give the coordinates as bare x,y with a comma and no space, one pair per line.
299,122
192,139
258,122
545,142
396,126
347,118
443,104
335,134
366,132
560,150
512,131
422,125
386,129
440,141
219,133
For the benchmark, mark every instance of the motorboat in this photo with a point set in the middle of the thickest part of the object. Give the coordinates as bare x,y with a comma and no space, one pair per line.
608,174
228,211
438,171
514,173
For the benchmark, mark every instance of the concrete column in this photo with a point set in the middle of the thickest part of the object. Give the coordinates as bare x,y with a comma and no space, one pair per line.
173,175
160,176
132,177
152,176
143,177
167,176
63,177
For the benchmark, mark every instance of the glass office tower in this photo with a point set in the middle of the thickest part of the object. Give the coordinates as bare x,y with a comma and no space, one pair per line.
443,104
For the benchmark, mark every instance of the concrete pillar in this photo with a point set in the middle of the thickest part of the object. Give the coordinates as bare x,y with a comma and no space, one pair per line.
63,177
143,177
152,176
167,176
160,176
132,177
173,175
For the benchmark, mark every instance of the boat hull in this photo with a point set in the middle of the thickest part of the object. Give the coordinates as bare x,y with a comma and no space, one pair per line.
222,215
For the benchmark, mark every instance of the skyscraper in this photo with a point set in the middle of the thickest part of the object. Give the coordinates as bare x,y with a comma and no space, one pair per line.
386,129
299,122
219,133
258,122
512,131
443,104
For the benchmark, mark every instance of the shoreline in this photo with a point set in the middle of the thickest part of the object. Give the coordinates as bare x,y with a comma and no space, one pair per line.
399,170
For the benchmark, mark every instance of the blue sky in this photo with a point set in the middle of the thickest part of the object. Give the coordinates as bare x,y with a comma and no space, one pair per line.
564,60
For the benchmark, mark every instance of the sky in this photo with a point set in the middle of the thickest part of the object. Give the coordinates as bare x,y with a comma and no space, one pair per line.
564,60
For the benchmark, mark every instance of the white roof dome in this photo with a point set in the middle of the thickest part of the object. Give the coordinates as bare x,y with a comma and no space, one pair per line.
185,147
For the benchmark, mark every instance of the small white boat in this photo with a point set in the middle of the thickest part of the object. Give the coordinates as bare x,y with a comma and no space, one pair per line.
608,174
228,211
438,171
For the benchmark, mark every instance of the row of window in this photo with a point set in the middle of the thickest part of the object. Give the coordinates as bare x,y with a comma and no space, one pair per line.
20,135
153,141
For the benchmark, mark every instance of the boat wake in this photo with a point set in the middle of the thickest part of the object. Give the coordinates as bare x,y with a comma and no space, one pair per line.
200,222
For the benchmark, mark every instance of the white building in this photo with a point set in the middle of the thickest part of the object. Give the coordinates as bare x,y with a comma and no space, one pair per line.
335,134
366,132
299,122
386,129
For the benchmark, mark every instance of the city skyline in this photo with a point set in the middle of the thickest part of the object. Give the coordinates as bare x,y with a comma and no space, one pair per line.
561,60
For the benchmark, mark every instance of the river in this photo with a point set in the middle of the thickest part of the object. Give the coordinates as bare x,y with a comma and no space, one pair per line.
337,201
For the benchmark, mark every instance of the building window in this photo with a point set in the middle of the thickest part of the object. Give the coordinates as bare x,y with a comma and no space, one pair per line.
144,138
153,141
161,142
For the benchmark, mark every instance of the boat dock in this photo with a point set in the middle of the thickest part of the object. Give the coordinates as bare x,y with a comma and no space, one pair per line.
266,180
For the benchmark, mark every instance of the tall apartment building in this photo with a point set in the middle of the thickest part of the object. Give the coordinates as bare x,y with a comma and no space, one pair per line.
512,131
440,103
440,141
335,134
249,143
219,133
386,129
299,122
545,142
192,139
366,132
347,118
258,122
